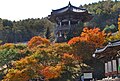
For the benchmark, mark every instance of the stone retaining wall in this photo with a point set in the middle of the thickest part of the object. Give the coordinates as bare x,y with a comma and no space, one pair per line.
110,80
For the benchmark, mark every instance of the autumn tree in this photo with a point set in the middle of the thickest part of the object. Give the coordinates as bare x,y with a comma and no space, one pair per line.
113,37
85,45
52,62
87,42
9,53
93,36
36,41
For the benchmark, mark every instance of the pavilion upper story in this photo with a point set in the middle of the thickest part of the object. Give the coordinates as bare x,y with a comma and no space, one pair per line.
67,20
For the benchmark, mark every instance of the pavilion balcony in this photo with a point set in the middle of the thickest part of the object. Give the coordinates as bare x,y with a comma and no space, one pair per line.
66,27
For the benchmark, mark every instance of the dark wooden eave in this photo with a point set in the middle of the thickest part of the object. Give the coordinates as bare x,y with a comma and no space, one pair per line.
69,7
109,51
70,10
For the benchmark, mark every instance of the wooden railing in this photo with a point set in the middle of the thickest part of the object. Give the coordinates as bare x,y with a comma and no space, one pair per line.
65,27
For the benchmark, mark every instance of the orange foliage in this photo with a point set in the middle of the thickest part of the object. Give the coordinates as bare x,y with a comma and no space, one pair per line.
25,61
85,44
69,58
74,40
66,55
23,69
50,72
92,36
9,45
36,41
22,51
49,62
16,75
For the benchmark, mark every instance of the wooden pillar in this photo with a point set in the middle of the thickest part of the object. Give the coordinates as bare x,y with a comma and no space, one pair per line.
57,35
65,35
69,23
106,69
114,67
110,68
119,65
60,34
60,23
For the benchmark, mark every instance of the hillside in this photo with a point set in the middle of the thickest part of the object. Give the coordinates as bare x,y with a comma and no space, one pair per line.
105,13
23,30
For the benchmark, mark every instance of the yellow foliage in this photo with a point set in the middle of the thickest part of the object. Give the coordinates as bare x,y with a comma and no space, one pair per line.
16,75
113,37
119,23
8,45
46,61
23,70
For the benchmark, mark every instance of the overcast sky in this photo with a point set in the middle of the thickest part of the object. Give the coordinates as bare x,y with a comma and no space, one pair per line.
24,9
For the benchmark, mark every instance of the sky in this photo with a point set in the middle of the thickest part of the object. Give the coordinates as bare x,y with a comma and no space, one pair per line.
24,9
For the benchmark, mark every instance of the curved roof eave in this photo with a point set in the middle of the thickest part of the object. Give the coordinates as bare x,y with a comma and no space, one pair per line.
65,10
108,46
70,8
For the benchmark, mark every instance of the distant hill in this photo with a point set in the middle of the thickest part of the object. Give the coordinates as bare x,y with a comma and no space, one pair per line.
23,30
105,13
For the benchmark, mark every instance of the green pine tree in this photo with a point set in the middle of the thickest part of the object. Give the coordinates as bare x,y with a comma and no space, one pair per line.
48,34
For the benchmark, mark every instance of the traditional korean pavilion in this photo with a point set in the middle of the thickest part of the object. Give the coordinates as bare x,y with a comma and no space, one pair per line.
67,21
110,55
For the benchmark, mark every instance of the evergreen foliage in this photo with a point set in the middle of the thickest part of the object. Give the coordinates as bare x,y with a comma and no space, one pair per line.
23,30
47,35
105,13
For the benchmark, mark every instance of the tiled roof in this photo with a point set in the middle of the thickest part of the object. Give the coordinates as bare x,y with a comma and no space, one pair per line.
110,44
69,8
